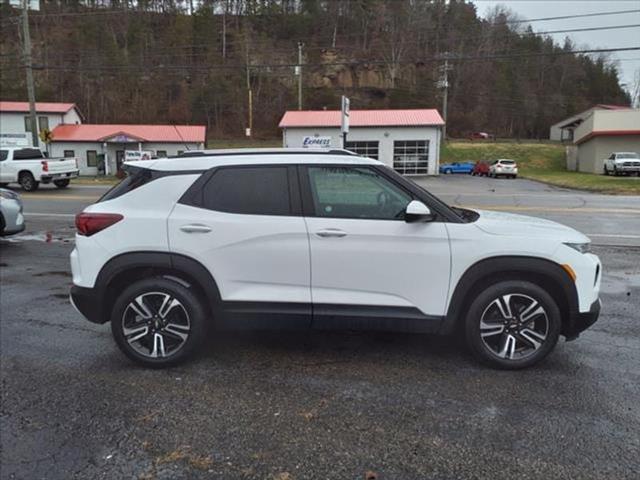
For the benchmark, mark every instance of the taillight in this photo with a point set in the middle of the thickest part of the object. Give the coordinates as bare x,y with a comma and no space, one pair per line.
90,223
45,166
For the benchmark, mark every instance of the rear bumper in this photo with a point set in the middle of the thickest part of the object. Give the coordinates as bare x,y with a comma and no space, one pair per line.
88,302
59,176
583,320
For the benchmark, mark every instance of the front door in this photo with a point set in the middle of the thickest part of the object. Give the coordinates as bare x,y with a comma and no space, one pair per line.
119,159
363,254
247,229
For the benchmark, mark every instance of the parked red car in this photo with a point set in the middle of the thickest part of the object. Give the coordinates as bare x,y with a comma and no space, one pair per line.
480,136
481,169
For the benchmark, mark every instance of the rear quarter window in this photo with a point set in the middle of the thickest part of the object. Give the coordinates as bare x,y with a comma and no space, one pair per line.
27,154
134,179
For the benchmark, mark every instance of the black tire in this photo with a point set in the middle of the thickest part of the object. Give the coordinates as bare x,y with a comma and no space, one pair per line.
190,304
27,182
606,171
61,183
484,306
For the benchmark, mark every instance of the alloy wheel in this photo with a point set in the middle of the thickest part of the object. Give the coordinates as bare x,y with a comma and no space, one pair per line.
156,324
514,326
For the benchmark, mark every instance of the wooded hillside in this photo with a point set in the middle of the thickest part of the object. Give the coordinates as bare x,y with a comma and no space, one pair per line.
190,62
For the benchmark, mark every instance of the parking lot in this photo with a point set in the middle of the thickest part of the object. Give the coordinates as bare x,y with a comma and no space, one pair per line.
318,405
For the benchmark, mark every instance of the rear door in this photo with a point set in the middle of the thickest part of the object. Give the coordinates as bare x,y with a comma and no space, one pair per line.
245,226
365,259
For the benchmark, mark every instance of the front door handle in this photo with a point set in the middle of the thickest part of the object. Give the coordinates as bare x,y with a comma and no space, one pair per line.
195,228
331,232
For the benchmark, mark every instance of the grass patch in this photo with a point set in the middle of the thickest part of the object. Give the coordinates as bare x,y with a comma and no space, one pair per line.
544,162
95,180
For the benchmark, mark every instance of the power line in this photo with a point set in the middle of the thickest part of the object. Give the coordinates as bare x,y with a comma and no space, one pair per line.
565,17
451,58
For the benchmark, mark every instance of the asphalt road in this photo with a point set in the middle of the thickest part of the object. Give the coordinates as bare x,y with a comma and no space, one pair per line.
309,405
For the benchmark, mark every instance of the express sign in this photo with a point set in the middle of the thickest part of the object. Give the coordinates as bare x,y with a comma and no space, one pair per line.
316,142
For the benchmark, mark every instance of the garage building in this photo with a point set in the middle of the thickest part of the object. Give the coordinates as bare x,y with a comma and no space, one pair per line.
100,149
407,140
604,132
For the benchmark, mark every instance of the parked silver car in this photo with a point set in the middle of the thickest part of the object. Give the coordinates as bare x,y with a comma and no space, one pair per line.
11,218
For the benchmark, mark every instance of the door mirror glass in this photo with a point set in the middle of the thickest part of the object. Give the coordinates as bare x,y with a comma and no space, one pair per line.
417,212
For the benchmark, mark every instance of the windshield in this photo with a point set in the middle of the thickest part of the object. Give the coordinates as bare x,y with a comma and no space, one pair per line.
628,155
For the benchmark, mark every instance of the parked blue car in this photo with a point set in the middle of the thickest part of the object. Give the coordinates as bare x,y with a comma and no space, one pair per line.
457,167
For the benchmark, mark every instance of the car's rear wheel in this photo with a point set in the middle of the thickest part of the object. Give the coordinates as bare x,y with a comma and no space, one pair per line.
158,322
27,182
61,183
512,325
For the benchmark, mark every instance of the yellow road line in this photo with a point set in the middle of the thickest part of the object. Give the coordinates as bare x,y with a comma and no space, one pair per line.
60,197
629,211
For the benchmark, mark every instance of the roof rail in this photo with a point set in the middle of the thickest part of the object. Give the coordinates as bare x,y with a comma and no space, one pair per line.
264,151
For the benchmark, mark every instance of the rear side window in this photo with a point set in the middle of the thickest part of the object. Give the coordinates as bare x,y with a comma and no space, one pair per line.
136,178
27,154
4,154
249,191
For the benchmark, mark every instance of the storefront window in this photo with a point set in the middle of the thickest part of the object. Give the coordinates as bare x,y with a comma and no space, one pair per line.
364,148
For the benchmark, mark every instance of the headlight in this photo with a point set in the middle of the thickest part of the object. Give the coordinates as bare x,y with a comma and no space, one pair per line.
8,195
580,247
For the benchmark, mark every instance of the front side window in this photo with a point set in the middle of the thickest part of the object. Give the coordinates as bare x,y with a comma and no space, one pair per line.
355,192
365,149
248,191
411,157
92,158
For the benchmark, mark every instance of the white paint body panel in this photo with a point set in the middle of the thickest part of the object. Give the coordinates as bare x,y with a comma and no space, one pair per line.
380,262
260,258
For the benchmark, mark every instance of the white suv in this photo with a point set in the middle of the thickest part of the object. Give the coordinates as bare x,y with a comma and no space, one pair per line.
322,239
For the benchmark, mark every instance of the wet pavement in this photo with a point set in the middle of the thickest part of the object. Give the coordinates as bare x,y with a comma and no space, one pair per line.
305,405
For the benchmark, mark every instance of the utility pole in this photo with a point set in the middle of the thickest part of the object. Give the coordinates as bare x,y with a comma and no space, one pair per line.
26,45
249,131
444,84
300,45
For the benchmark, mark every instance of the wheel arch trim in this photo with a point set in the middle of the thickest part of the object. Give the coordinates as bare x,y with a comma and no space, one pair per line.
171,262
505,265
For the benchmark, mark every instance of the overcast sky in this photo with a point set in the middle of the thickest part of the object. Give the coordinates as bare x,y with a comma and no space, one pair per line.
629,61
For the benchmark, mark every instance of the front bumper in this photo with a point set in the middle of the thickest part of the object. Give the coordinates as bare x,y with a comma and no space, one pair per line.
88,302
582,321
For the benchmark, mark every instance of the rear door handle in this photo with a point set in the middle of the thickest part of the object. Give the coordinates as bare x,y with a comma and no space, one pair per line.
195,228
331,232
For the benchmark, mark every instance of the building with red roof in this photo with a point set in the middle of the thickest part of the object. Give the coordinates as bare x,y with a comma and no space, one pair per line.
15,126
102,148
563,131
407,140
98,148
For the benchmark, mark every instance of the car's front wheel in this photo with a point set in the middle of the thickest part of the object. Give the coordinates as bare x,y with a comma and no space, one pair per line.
158,322
512,325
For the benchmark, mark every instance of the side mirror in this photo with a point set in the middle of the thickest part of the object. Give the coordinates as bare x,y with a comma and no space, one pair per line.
417,212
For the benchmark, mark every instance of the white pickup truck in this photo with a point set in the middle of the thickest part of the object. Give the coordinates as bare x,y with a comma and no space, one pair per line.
622,163
29,167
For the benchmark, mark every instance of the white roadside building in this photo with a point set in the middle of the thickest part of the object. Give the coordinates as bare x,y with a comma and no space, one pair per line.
15,124
100,149
406,140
